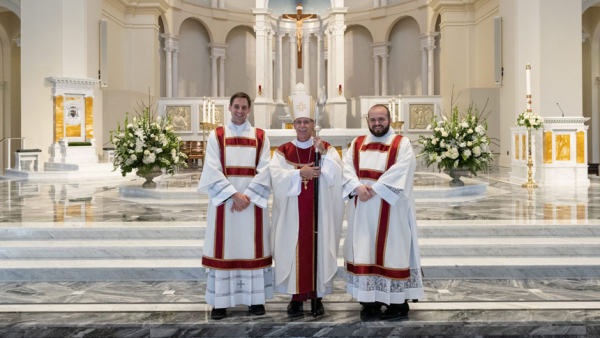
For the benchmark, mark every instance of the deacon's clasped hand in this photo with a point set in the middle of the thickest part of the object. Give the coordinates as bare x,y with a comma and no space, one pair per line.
240,202
364,193
309,171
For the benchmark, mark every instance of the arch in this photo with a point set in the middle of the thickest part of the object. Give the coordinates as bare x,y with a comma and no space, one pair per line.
210,34
193,60
12,6
405,59
240,25
433,20
595,124
166,26
240,64
395,22
351,25
161,57
585,4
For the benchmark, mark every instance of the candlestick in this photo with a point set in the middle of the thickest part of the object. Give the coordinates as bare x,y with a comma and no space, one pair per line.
259,90
204,109
340,90
213,112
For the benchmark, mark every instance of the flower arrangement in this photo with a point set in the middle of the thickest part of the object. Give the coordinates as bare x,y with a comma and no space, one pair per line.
457,142
145,143
530,120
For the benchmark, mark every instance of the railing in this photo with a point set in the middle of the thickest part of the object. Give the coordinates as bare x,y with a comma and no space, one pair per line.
9,152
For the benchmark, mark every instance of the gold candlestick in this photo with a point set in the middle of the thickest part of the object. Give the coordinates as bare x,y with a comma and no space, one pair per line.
206,127
529,184
397,126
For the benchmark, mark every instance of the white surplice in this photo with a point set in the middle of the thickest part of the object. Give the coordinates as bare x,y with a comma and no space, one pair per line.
238,256
287,186
391,271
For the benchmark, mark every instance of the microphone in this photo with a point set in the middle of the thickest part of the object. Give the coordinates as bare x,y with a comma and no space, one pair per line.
563,113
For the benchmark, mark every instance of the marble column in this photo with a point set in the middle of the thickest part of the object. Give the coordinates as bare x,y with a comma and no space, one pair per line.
213,77
376,73
339,55
384,75
305,62
222,76
332,65
168,71
293,62
175,89
430,70
270,64
328,57
424,75
280,68
319,61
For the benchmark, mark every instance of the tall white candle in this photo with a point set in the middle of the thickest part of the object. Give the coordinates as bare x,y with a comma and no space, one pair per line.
204,109
213,112
528,78
394,109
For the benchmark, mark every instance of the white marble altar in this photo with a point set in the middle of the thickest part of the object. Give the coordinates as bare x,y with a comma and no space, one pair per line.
559,152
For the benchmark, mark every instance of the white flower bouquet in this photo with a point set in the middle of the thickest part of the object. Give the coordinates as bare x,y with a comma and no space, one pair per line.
530,120
145,143
457,142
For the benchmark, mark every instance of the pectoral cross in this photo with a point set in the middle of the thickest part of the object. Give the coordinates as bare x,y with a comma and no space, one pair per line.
305,181
299,18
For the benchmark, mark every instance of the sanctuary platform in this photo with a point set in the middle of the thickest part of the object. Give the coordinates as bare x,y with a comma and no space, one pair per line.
81,259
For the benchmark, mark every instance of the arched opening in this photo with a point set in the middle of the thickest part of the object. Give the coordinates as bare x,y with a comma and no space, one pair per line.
591,78
404,65
358,68
436,56
240,65
161,55
10,81
194,63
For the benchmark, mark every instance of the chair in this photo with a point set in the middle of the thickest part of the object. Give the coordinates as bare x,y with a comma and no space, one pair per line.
196,152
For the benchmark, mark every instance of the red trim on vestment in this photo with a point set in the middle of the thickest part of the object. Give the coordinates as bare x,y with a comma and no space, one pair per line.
374,269
258,234
237,264
356,158
369,174
260,141
220,231
375,147
237,171
220,134
240,142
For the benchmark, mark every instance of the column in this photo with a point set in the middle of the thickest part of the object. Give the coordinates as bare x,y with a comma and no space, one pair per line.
430,70
270,65
328,57
424,72
305,61
332,65
293,62
384,74
319,61
168,72
376,73
175,89
222,76
280,68
213,77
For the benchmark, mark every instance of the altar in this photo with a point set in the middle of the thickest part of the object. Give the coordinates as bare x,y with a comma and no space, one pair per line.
559,153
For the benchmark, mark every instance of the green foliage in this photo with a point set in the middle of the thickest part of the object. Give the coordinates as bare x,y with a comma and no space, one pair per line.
529,120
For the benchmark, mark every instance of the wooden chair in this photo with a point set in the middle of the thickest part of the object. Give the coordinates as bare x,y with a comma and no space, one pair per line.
196,152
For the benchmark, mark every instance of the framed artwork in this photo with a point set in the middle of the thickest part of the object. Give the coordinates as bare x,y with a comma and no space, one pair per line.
181,118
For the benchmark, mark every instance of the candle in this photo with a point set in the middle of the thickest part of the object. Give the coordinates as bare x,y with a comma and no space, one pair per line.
340,88
204,109
213,112
394,110
528,78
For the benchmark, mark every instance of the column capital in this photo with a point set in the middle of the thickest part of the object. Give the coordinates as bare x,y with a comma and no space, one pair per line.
17,41
171,42
428,40
218,49
338,28
262,30
292,37
380,48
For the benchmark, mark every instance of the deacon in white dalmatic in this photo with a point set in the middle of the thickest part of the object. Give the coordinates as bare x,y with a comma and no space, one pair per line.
293,171
381,248
236,244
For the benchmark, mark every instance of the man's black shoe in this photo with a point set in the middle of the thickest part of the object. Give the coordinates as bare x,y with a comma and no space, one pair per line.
370,309
320,308
294,308
257,310
218,313
394,311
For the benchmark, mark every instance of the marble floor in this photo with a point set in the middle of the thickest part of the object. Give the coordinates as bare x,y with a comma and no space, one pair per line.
43,212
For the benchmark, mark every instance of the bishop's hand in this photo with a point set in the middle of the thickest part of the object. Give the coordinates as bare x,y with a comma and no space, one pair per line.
309,171
240,202
364,193
319,145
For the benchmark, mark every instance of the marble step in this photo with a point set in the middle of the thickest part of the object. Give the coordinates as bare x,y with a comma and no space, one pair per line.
192,248
196,230
191,269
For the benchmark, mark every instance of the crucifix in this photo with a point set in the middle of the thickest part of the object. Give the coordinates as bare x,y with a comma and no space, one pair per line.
299,18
